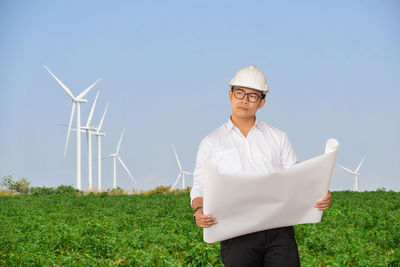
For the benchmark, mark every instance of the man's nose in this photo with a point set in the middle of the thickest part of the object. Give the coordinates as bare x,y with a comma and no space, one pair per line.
245,99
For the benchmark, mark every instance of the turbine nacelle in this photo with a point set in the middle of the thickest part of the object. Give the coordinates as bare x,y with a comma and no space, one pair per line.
84,129
88,128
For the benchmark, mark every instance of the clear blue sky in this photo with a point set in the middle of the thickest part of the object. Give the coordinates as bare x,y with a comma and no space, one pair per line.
333,69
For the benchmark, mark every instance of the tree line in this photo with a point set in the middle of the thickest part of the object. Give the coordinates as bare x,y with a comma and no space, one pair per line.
21,186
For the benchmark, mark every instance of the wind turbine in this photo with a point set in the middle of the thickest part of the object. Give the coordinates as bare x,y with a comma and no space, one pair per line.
89,130
116,156
99,135
181,172
355,173
76,102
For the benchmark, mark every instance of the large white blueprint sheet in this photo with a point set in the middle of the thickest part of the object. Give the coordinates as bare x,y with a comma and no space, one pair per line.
247,203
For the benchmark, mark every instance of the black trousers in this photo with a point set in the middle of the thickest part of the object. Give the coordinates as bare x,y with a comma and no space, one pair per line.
274,247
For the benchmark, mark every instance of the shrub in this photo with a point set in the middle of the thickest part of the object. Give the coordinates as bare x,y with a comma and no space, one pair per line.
116,191
66,190
20,186
163,189
7,182
60,190
42,190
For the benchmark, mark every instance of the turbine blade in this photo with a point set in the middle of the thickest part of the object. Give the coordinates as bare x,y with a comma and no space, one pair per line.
120,139
359,165
87,90
177,179
189,173
350,171
69,128
123,164
102,119
177,159
91,111
62,85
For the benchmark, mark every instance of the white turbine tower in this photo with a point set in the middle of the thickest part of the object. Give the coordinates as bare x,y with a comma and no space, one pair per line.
355,173
89,130
181,172
99,135
76,102
116,156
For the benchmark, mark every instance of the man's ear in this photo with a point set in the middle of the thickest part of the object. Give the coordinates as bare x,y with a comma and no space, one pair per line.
230,95
262,103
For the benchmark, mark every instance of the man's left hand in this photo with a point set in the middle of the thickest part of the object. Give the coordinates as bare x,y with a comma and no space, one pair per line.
325,202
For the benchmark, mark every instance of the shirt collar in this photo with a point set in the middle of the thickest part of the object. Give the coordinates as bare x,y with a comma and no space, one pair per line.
257,123
230,126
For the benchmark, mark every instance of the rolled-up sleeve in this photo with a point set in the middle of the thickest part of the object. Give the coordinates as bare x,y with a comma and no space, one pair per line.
203,155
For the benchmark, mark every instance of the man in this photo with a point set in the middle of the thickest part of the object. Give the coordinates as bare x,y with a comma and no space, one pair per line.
247,145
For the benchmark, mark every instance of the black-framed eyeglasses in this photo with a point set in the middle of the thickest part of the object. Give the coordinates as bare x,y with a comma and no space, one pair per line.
251,97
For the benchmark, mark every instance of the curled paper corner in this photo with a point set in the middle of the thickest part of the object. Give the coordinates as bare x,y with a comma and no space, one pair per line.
331,145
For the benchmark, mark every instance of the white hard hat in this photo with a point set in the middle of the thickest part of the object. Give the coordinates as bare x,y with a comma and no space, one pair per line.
250,77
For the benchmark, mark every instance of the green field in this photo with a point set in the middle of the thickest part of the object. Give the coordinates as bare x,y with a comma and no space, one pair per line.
360,229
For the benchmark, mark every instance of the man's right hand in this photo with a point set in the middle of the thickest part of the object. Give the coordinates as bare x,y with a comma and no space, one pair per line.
204,221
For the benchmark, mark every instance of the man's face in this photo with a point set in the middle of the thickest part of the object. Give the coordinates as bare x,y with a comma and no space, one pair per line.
243,108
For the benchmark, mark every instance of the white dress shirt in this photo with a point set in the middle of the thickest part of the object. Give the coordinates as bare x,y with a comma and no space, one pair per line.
266,149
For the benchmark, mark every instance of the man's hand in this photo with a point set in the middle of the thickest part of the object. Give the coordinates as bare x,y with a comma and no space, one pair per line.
204,221
325,202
